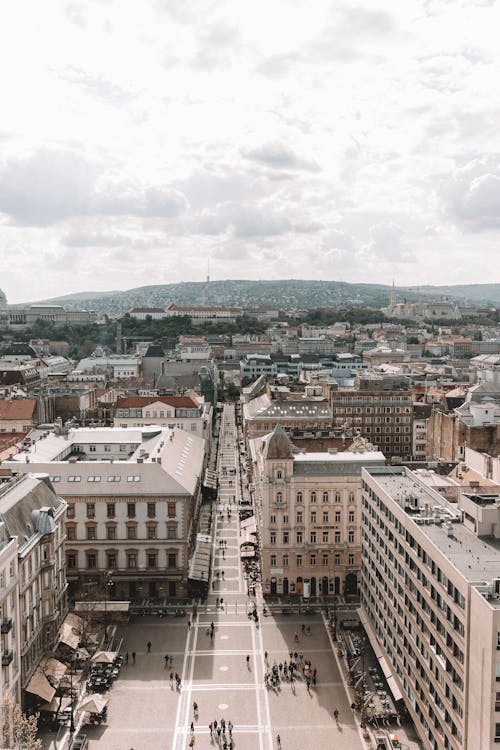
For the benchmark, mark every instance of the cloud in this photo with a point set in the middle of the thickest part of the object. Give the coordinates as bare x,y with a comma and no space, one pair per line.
55,185
387,243
336,239
215,43
472,195
279,156
97,86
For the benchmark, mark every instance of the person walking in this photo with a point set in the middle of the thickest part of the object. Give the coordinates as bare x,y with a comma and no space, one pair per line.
133,656
195,708
192,728
171,679
148,646
189,625
336,715
278,742
166,661
211,729
248,661
265,656
126,658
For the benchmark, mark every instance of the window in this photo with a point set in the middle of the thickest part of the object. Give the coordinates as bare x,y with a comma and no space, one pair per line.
151,532
337,537
114,478
299,497
70,513
279,474
299,561
279,497
351,516
325,497
272,560
350,559
90,510
91,532
272,518
298,537
351,536
172,559
74,479
313,558
151,510
94,479
91,560
338,559
70,533
285,518
133,478
131,510
351,497
325,537
325,516
71,560
111,560
111,532
131,532
55,479
272,537
338,497
132,560
151,559
172,531
338,516
313,497
171,510
313,516
299,516
285,561
286,537
324,558
312,537
110,510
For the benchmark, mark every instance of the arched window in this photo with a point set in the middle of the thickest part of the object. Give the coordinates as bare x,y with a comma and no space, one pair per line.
299,497
279,497
313,497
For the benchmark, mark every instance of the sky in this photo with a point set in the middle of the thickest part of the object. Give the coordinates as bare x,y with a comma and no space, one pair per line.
141,142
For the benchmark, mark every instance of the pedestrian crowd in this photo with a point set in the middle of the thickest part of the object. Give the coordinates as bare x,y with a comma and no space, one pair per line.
289,670
222,733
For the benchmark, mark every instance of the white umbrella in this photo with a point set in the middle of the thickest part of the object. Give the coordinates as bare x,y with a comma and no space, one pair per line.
104,657
93,704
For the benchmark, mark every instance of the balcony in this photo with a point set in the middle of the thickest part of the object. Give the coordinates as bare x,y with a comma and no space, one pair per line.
48,562
7,658
6,626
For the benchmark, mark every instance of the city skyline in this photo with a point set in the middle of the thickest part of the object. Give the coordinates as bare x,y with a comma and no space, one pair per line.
345,141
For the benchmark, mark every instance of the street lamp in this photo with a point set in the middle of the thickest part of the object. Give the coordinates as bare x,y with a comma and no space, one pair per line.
72,713
107,586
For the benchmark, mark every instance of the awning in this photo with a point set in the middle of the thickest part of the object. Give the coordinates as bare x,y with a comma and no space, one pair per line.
385,667
372,636
393,687
247,553
71,630
46,678
93,704
249,525
104,657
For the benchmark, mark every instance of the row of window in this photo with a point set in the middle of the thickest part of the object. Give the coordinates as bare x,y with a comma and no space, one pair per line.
111,534
313,496
131,510
112,560
97,478
299,517
313,537
313,559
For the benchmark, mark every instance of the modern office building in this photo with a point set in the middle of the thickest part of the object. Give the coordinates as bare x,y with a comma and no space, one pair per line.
430,588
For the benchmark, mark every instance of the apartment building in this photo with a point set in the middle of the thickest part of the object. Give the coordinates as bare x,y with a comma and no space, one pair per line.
32,578
308,507
133,499
181,412
380,409
307,415
430,587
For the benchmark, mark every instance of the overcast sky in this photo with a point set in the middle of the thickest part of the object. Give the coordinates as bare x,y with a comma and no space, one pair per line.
356,141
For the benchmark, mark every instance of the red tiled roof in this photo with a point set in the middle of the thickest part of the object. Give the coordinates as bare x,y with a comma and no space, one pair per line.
17,408
135,402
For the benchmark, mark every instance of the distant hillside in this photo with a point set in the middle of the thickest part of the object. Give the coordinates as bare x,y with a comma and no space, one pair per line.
283,294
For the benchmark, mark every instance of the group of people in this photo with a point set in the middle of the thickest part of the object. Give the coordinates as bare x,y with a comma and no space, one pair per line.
222,733
289,670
